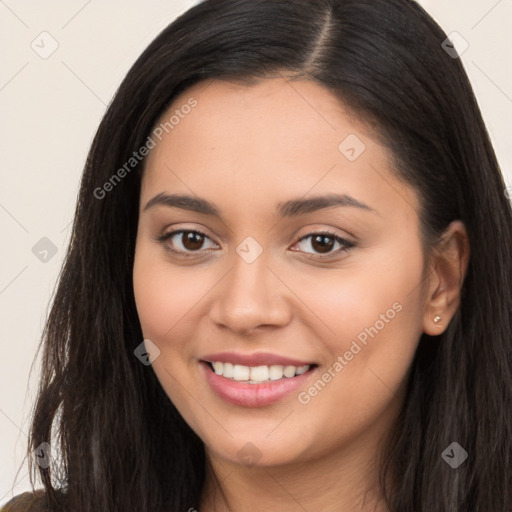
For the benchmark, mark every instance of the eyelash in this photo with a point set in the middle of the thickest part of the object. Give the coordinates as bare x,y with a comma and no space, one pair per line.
347,245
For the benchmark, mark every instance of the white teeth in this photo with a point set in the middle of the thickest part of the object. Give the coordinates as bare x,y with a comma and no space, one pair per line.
302,369
276,372
257,374
228,370
289,371
241,372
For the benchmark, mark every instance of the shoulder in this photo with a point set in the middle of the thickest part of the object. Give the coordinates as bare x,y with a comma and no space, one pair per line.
27,502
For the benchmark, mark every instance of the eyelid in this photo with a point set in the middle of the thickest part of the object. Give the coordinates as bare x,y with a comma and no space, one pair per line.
167,235
345,243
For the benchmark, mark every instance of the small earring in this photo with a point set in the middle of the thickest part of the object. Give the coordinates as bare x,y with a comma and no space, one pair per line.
436,319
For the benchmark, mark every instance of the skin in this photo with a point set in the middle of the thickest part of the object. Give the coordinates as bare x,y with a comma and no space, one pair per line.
246,149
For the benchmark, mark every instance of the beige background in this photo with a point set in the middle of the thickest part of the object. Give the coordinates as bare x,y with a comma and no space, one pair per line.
51,108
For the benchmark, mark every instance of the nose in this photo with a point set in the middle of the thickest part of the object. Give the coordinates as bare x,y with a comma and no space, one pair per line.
250,296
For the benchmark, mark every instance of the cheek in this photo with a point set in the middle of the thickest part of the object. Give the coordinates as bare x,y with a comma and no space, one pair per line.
377,295
375,314
165,298
163,295
361,385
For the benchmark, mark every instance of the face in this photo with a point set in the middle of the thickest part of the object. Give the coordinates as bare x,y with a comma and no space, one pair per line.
298,251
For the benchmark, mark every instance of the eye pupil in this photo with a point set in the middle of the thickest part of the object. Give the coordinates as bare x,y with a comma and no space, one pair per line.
192,241
321,239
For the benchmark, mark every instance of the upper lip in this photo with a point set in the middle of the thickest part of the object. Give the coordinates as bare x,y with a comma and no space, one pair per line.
259,359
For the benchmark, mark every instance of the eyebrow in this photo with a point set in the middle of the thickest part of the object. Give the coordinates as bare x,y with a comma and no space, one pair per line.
291,208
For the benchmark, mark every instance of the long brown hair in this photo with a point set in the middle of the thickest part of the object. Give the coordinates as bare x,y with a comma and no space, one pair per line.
122,444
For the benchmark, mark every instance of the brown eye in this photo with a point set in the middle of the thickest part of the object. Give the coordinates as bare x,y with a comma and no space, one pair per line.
192,240
323,243
184,241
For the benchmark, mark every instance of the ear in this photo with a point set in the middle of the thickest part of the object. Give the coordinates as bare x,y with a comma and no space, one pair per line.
448,266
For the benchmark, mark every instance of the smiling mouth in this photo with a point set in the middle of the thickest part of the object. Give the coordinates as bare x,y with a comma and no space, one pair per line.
257,374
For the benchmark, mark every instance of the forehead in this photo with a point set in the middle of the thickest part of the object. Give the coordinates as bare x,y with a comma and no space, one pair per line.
274,139
290,113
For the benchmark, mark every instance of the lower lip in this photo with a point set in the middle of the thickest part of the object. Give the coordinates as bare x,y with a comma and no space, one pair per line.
253,395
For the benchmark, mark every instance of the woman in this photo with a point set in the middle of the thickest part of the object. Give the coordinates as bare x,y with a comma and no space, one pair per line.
288,284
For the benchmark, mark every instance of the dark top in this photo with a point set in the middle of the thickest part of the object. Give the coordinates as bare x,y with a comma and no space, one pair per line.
27,502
